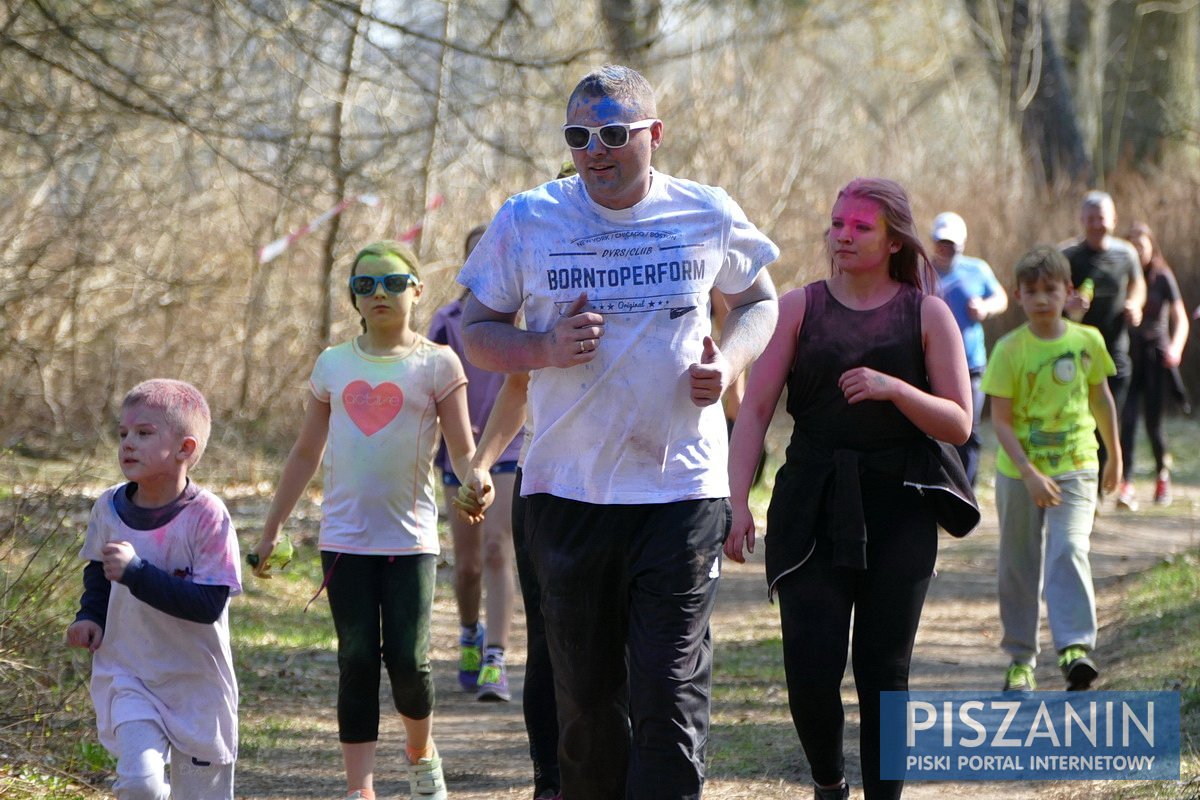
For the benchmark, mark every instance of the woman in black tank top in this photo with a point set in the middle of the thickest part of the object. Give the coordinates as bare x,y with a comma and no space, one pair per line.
878,388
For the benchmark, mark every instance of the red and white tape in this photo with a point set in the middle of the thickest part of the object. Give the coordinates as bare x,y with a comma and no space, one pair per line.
276,248
271,251
410,235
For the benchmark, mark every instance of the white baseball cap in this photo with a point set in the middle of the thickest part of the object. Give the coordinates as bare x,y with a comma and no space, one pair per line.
949,227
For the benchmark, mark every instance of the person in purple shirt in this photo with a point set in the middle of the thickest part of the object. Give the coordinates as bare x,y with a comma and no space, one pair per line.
971,290
483,552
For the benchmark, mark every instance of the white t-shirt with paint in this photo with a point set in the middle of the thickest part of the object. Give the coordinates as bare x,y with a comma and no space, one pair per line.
379,494
154,666
621,428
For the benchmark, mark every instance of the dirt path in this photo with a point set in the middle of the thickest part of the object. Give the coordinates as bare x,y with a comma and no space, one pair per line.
484,745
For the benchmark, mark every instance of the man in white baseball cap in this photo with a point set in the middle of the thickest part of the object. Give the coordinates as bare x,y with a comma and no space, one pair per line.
970,288
950,227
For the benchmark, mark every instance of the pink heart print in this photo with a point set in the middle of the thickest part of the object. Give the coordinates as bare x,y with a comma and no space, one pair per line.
372,409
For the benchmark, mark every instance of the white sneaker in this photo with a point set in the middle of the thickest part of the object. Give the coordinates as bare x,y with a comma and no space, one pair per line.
425,779
1125,498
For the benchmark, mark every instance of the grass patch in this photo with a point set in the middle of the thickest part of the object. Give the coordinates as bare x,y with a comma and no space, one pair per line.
1156,646
274,639
30,783
47,733
272,735
282,653
751,674
752,734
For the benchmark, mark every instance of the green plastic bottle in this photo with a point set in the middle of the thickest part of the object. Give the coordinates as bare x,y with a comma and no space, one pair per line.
1087,289
280,557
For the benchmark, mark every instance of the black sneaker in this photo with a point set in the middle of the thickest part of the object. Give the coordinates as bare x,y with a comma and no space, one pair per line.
1078,669
837,793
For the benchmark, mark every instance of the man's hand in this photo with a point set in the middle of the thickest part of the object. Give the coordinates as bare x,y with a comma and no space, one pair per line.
575,336
264,548
1076,306
85,633
711,376
1133,314
116,557
1111,478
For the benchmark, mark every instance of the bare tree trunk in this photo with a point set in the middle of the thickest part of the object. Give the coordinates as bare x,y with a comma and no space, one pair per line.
1086,43
1158,95
631,28
1028,64
1181,146
337,169
1050,124
428,166
258,276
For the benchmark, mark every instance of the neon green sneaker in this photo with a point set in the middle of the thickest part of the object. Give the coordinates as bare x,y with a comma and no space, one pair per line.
470,659
1079,669
493,684
1019,678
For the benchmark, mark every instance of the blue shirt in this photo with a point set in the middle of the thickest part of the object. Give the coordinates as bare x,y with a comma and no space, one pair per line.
967,279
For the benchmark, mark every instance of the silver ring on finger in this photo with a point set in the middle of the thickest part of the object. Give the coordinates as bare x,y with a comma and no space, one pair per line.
582,349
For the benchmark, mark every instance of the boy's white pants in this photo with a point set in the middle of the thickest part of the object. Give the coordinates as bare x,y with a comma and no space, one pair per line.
1050,542
143,750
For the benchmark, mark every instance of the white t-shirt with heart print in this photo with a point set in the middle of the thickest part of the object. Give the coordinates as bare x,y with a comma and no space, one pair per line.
379,491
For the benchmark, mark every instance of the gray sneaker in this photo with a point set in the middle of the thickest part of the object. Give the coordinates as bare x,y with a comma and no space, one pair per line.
425,779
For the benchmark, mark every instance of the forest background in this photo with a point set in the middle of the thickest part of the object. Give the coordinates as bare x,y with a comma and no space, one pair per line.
148,148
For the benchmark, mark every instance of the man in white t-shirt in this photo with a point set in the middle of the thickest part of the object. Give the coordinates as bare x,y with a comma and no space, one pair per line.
625,477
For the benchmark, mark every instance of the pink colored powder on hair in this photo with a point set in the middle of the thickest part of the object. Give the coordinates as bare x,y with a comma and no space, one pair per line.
182,404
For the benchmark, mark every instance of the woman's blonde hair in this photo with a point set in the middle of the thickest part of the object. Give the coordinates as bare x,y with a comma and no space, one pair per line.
910,264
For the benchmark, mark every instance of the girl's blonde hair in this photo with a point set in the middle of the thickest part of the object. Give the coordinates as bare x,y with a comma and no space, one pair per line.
909,264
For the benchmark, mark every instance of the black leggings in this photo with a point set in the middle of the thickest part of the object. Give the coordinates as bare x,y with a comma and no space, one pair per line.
816,601
382,607
1147,387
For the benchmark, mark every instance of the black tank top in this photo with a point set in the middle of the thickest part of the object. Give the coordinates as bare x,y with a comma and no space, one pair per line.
833,339
835,444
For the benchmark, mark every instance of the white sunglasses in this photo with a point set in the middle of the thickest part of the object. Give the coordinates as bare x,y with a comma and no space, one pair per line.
613,135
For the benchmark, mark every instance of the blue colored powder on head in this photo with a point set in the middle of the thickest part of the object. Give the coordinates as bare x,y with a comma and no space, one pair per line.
602,108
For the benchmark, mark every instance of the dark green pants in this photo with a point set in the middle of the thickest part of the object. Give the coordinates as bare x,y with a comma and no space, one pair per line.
382,607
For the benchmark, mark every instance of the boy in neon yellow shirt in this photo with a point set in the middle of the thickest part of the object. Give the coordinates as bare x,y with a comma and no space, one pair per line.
1047,381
